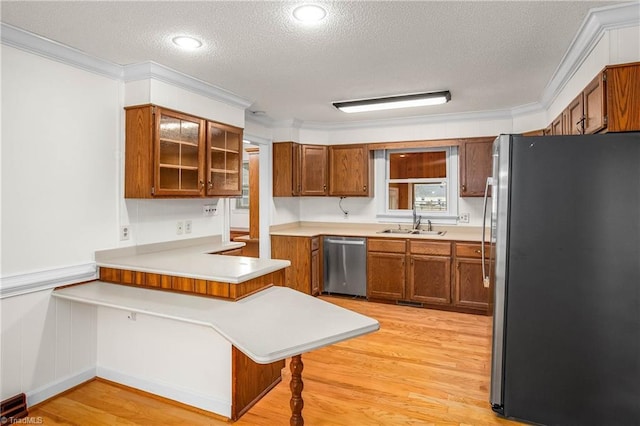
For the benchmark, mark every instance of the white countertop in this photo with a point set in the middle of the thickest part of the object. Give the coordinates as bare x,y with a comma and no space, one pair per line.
273,324
190,259
372,230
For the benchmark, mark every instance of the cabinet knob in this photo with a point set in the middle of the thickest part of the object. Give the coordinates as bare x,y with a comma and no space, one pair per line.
324,187
478,251
364,188
201,184
210,185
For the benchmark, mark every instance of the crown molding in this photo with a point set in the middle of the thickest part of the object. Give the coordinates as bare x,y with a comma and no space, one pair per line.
150,69
594,26
526,109
41,46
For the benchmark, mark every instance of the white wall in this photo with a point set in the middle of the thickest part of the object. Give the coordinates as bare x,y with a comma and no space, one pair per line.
46,345
200,359
60,132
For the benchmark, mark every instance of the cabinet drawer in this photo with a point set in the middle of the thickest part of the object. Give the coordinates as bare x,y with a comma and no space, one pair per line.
385,245
430,247
471,250
315,243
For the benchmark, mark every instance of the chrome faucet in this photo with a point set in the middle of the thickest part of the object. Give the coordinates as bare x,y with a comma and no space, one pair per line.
416,218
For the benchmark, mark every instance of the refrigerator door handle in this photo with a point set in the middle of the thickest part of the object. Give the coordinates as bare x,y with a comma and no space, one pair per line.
485,278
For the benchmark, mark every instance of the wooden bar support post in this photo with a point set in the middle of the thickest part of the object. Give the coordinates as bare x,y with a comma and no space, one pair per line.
296,386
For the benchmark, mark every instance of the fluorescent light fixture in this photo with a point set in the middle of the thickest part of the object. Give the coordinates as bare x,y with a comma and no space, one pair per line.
393,102
309,13
187,42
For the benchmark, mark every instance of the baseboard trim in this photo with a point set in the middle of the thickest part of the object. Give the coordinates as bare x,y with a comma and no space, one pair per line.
50,390
31,282
194,399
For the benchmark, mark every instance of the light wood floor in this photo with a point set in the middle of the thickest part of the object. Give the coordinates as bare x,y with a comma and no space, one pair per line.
422,367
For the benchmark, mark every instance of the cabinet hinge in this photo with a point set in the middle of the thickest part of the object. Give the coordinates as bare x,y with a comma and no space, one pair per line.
604,76
606,120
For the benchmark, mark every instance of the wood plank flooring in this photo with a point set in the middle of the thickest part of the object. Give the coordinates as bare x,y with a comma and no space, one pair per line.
423,367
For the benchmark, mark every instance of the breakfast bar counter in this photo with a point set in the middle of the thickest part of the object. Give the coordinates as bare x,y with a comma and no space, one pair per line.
270,325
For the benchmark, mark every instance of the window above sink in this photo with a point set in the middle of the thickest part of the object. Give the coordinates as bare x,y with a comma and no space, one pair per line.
426,178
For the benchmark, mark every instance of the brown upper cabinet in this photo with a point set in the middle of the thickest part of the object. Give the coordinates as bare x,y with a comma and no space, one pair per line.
286,169
318,170
224,159
299,169
165,155
476,162
313,176
622,88
349,171
609,103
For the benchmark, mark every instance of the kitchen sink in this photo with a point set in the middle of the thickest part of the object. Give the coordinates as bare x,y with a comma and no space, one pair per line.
411,231
425,232
396,231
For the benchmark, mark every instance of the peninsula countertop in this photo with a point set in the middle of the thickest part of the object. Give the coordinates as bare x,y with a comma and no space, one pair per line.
372,230
192,258
273,324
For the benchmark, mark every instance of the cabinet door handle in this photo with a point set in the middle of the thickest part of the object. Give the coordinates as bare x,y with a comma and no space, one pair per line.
210,184
464,188
364,188
478,251
201,184
324,187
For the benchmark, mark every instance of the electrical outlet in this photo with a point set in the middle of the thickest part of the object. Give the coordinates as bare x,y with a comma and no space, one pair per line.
179,227
124,233
209,210
463,218
187,226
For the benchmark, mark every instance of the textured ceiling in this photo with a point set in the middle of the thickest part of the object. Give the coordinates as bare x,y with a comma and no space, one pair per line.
490,55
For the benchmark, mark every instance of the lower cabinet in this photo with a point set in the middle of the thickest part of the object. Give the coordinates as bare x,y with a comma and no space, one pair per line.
430,272
386,266
304,254
408,270
470,291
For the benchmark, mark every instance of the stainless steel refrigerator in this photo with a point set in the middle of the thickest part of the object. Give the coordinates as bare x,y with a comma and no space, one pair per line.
565,227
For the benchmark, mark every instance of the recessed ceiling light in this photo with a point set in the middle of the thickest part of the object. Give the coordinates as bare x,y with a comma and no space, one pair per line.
187,42
309,13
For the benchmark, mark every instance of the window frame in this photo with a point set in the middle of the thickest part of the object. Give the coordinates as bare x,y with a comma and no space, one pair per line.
382,173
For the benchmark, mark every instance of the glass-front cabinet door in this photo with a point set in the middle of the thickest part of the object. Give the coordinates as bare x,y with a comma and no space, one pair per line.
180,139
224,160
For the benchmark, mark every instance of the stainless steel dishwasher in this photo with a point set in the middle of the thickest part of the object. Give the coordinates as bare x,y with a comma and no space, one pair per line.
345,265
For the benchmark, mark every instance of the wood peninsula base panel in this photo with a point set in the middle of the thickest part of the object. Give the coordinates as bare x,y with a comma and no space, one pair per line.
191,285
251,381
